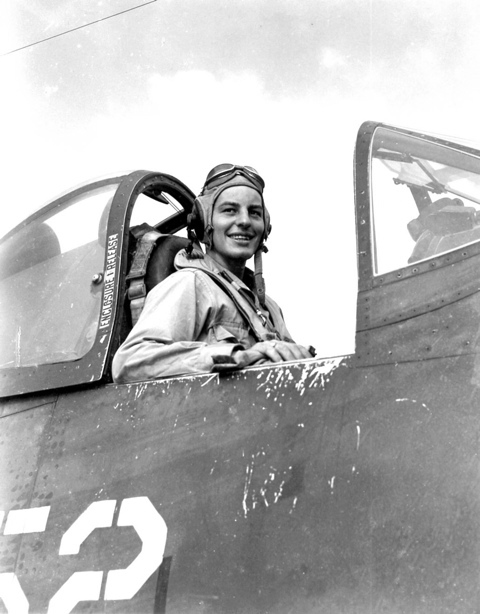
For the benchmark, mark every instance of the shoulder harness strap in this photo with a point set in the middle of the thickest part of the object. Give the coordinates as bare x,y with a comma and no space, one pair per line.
254,318
147,238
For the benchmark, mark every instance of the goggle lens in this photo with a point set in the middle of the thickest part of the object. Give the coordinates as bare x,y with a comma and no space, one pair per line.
225,170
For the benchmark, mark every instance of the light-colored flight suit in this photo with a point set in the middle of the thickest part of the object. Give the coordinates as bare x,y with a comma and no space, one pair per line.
189,325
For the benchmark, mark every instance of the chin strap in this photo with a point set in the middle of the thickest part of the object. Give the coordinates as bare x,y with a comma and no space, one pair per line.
259,281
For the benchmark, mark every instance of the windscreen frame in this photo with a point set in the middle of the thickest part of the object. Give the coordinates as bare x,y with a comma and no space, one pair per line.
364,207
94,366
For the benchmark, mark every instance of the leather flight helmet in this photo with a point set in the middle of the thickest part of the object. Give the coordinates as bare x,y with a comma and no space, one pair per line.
200,227
220,178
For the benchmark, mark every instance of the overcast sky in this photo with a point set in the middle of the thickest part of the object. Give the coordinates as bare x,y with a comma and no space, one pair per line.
181,85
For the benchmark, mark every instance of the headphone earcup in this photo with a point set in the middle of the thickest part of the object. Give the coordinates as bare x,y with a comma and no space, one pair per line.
195,221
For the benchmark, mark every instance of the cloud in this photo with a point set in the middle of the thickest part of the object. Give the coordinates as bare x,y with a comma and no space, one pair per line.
284,86
331,58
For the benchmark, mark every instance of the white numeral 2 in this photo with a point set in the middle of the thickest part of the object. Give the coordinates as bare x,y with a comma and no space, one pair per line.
137,512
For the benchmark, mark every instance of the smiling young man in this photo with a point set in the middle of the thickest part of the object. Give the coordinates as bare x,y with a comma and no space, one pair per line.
212,314
238,228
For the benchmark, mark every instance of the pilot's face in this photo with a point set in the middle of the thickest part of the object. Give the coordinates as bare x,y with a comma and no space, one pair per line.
237,226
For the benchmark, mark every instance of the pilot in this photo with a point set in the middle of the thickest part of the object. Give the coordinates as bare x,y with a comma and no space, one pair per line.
212,314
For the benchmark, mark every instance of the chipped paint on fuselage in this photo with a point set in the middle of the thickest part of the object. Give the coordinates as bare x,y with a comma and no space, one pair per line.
296,466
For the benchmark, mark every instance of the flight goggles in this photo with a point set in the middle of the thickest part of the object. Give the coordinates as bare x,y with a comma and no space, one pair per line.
223,172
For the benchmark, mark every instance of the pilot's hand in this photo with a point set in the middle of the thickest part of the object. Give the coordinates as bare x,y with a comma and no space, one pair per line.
271,351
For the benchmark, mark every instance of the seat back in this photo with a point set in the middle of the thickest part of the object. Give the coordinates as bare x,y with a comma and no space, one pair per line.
152,262
160,264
